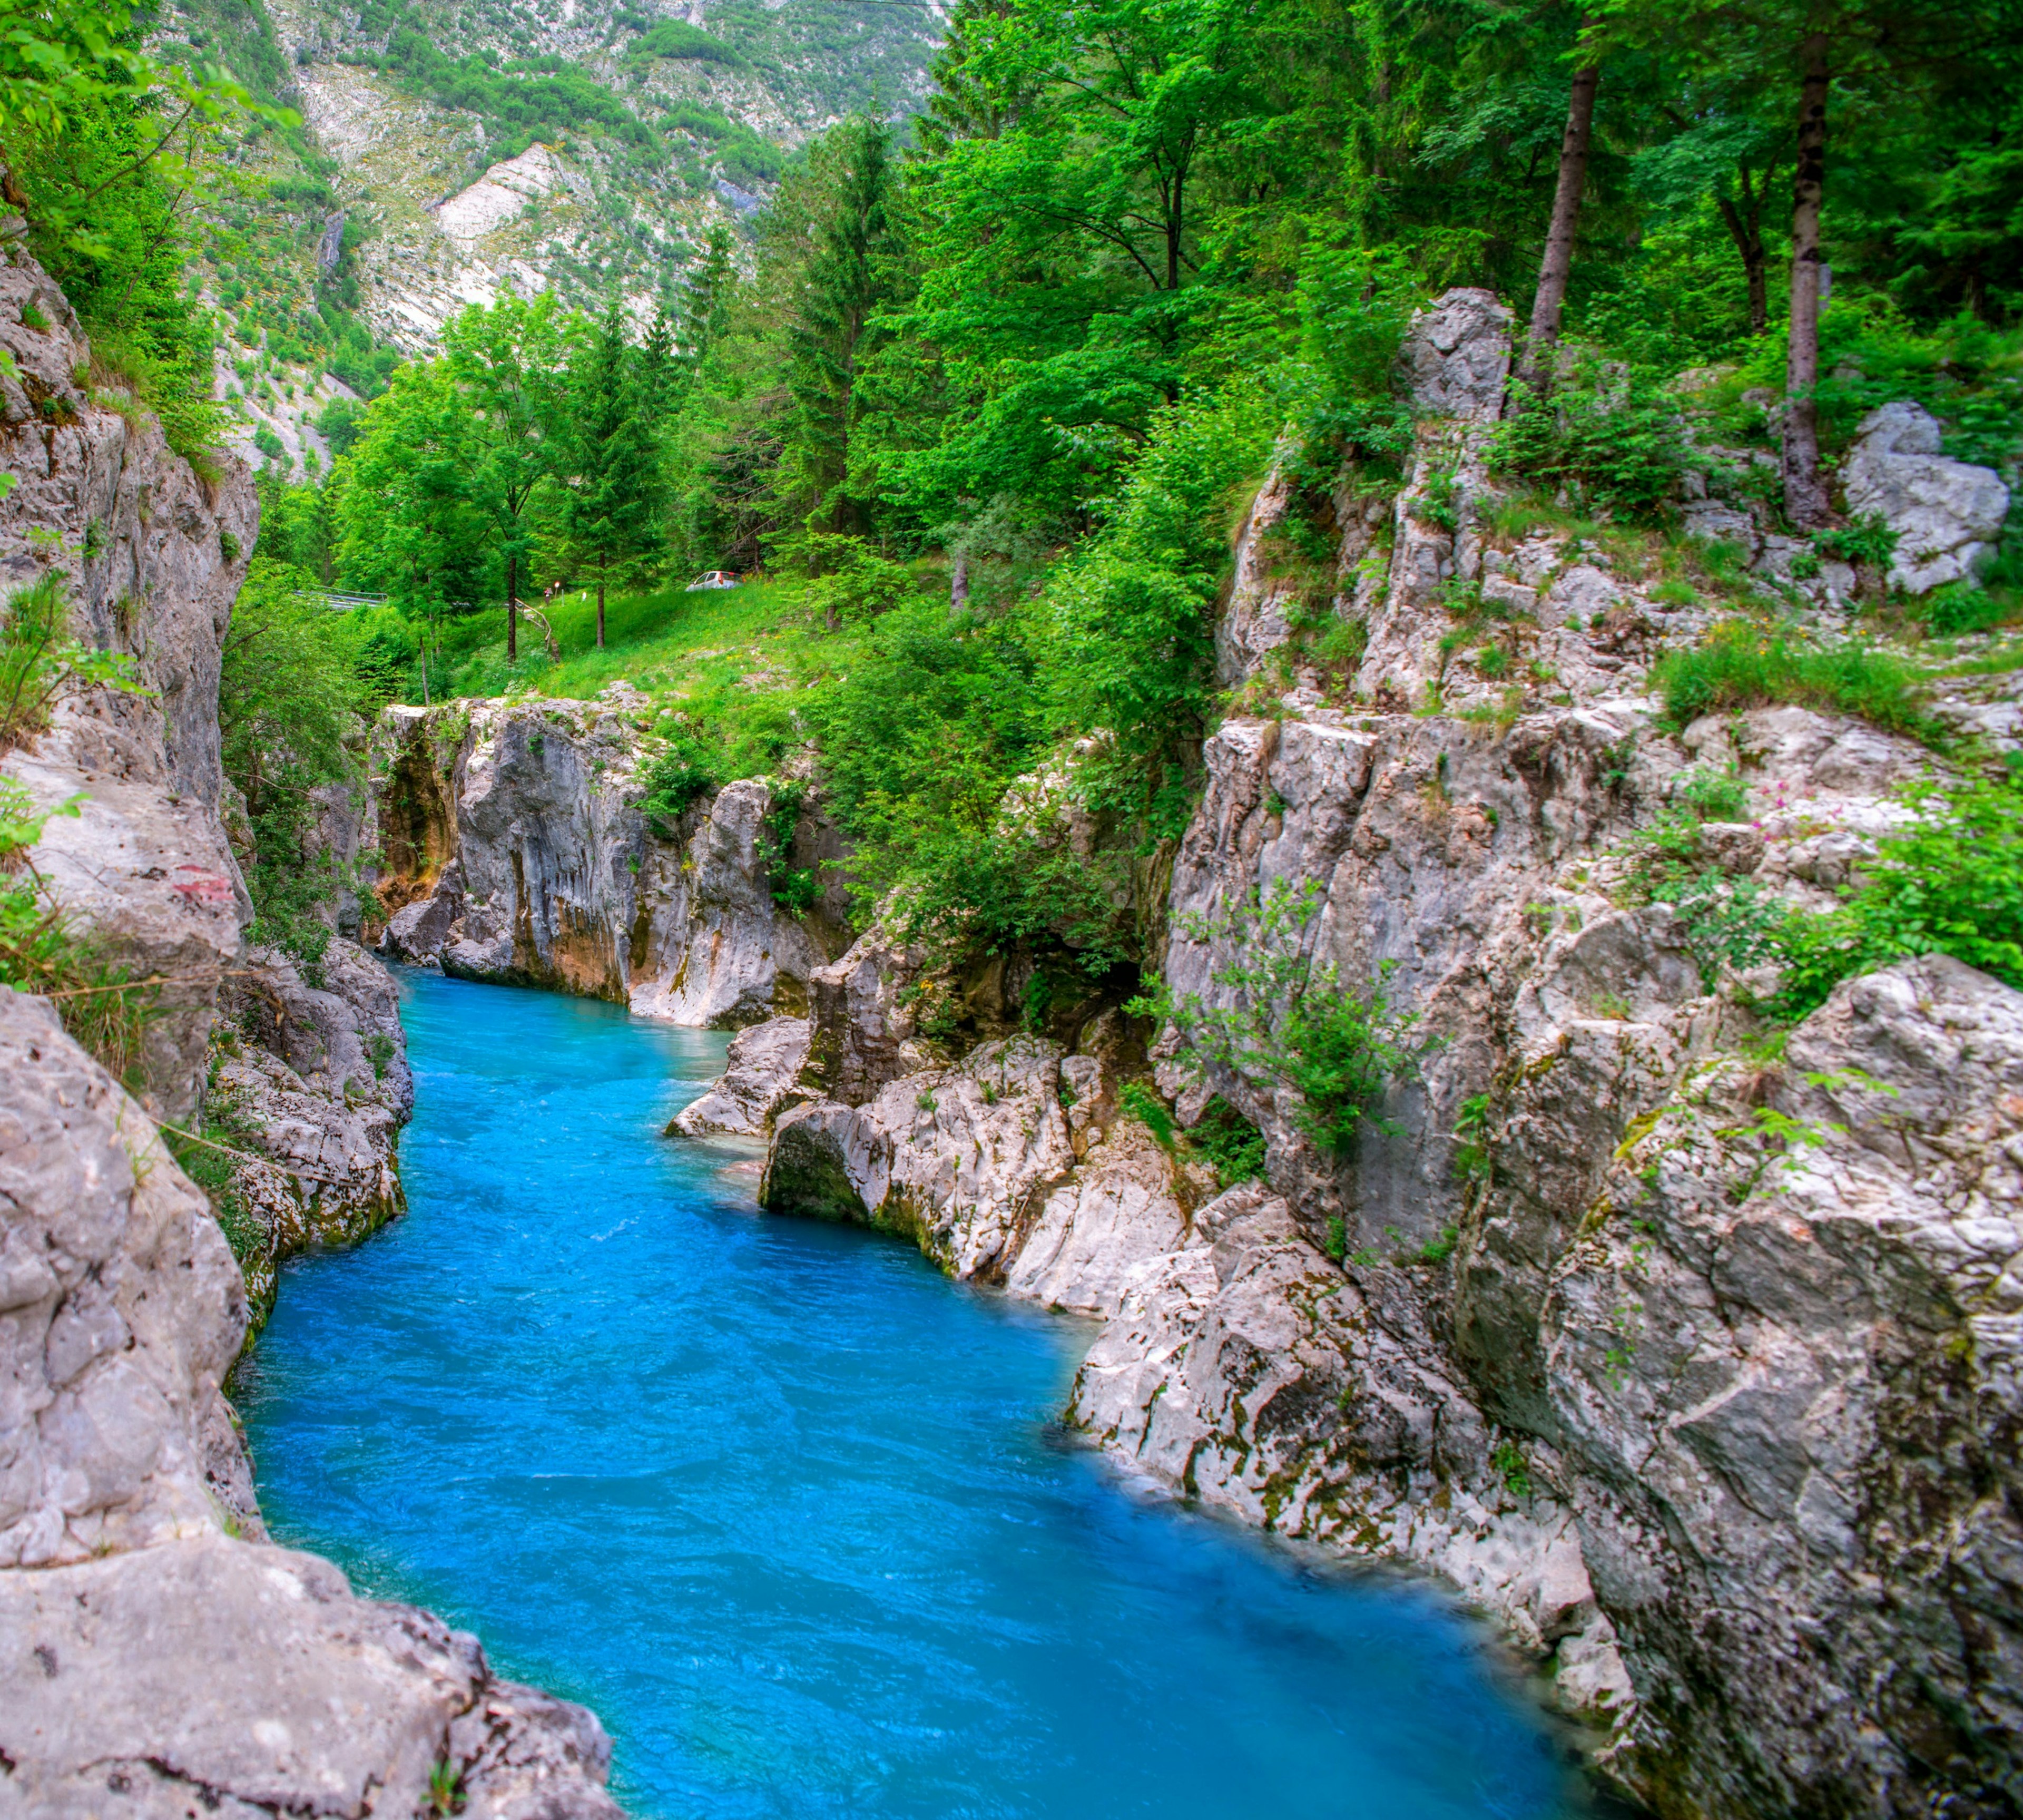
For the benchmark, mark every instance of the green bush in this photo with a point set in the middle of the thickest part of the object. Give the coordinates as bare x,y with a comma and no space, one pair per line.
1149,1109
1951,611
1611,442
38,657
43,950
1741,667
290,690
1869,539
1293,1024
1232,1144
673,780
1950,882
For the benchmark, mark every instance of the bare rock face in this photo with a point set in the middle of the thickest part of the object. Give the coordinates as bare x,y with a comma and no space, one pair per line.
121,1589
152,556
1947,515
1010,1166
309,1086
1243,1368
760,1079
123,1310
1702,1416
1457,358
516,853
1778,1379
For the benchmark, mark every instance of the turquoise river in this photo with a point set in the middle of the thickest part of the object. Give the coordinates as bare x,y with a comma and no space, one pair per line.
791,1510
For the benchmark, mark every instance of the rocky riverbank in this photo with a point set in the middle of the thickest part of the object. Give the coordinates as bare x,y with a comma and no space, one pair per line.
161,1658
516,851
1716,1418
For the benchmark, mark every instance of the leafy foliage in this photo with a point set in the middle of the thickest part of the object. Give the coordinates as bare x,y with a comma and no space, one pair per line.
1232,1144
1610,441
1950,882
43,951
38,657
1283,1022
674,781
290,690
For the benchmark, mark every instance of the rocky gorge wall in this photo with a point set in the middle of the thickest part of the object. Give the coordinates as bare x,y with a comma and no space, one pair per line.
514,849
1717,1421
158,1656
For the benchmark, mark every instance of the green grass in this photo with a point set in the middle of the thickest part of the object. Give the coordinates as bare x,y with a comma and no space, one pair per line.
1742,666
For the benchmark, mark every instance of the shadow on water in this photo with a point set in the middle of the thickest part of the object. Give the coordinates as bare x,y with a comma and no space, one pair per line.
793,1511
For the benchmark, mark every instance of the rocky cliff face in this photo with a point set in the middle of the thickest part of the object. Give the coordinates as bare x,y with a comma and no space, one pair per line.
1685,1356
516,851
151,555
157,1660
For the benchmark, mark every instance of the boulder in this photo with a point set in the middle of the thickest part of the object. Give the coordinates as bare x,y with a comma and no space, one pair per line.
760,1079
1947,515
309,1086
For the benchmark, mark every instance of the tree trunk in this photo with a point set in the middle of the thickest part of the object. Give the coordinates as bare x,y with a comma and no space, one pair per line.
1804,497
512,610
1535,369
600,609
1745,227
958,584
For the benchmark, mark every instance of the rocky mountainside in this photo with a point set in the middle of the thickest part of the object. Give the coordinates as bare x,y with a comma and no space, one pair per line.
133,1568
1684,1352
449,154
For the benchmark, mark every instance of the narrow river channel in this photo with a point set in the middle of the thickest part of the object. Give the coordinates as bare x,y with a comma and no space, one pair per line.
789,1509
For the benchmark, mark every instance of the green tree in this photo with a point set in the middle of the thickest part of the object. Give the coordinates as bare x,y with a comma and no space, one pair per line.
614,482
410,520
847,277
510,364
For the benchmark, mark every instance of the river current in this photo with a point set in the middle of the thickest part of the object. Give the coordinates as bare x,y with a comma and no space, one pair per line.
790,1510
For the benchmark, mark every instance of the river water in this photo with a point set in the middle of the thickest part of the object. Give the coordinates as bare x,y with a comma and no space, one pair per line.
789,1509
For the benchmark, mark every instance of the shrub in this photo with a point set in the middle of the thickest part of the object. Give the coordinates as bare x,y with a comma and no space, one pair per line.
1292,1024
1869,539
673,781
290,690
38,657
1232,1144
1608,442
793,888
1740,667
1962,607
1950,882
1149,1109
42,951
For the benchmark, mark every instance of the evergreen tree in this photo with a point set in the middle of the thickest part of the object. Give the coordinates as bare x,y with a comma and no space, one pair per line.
847,280
616,481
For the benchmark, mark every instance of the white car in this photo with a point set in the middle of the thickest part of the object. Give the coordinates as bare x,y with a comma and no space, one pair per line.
716,578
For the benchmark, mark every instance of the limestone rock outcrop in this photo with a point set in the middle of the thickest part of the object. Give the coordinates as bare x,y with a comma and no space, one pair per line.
308,1088
1770,1361
1947,515
126,1578
150,556
516,852
1011,1165
761,1078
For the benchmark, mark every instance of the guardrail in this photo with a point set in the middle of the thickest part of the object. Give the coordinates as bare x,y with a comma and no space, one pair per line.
337,602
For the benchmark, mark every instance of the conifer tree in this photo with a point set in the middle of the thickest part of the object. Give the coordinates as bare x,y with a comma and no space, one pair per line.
616,481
